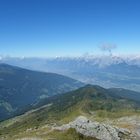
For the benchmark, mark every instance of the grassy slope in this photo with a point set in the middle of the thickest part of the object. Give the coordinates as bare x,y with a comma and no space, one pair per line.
90,101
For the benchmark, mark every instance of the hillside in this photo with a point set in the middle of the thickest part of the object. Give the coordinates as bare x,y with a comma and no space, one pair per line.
124,93
20,87
93,102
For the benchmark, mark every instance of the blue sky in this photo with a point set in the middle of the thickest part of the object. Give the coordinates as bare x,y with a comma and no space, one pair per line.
68,27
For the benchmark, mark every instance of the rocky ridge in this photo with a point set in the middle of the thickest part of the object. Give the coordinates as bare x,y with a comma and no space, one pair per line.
99,130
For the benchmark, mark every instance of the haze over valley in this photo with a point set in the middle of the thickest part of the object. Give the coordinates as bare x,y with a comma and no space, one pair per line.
107,71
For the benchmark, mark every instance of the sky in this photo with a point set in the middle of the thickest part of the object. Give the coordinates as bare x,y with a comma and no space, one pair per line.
46,28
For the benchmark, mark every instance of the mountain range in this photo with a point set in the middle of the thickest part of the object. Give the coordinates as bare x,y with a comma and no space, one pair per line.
44,106
106,71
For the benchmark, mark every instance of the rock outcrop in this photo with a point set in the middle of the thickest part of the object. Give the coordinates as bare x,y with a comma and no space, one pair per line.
99,130
133,121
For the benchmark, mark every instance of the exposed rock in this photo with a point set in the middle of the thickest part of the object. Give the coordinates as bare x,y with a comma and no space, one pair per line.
134,121
99,130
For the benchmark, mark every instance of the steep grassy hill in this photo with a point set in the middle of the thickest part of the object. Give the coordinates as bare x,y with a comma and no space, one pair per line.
20,87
